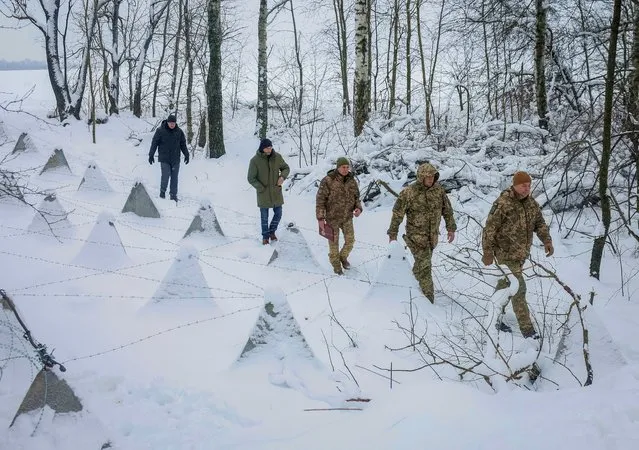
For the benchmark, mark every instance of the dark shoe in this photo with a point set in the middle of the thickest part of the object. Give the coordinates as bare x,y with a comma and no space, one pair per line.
174,197
345,264
431,299
162,195
501,326
264,241
273,237
338,271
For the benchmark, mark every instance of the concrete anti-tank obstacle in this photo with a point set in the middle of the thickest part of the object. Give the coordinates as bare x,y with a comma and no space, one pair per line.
49,390
94,180
103,248
23,143
51,217
276,333
184,282
140,203
294,251
56,161
205,222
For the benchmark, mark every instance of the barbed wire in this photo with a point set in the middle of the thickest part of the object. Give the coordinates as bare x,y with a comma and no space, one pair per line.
165,331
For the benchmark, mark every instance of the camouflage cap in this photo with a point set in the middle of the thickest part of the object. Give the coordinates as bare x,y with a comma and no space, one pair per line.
426,170
342,161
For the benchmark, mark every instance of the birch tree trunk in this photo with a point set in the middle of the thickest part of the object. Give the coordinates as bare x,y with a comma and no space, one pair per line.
606,145
362,79
214,81
261,123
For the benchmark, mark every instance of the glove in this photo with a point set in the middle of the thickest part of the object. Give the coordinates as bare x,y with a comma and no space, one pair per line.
151,159
487,259
549,248
186,159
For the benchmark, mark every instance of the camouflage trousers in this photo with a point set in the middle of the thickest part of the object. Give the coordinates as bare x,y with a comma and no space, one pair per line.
335,255
520,306
422,269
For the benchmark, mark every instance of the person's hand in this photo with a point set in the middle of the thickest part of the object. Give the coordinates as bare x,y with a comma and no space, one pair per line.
549,248
487,259
451,236
151,159
392,238
187,158
321,223
357,212
280,181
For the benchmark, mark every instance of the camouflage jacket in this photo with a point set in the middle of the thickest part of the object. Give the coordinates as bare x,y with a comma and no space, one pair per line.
424,208
337,198
509,227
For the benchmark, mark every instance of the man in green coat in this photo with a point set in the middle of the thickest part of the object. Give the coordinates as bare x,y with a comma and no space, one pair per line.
336,203
266,173
424,203
507,237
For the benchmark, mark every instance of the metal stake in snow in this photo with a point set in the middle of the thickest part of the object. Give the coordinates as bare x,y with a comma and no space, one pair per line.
41,350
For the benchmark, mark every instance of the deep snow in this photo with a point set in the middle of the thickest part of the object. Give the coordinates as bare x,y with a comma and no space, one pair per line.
152,336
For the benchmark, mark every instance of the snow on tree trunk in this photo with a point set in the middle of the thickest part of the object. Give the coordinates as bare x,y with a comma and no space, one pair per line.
361,91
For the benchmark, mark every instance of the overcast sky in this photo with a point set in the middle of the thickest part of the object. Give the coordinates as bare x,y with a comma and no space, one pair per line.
19,44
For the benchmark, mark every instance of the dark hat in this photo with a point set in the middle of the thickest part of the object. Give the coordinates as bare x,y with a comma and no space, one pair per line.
521,177
342,161
171,118
265,143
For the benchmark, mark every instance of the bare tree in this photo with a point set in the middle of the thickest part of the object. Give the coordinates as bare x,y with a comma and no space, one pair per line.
157,8
342,46
214,82
606,151
68,98
540,63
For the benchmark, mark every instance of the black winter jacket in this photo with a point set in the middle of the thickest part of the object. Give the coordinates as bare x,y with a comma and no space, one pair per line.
169,143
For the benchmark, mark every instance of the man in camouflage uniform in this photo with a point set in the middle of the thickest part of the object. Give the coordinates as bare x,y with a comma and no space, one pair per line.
336,203
424,203
507,237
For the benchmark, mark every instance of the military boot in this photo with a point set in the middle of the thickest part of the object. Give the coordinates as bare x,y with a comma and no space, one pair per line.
345,264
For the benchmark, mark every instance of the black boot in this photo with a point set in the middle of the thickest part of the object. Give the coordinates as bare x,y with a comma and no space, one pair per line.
162,195
501,326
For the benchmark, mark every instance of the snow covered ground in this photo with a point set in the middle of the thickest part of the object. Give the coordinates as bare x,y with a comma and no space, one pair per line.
153,326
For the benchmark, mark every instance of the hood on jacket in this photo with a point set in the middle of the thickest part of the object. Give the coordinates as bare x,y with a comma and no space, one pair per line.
427,170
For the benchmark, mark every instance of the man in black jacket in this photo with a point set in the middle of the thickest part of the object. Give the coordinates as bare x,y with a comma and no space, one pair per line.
169,140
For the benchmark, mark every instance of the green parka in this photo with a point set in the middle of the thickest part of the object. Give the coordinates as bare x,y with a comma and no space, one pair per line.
263,173
424,208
